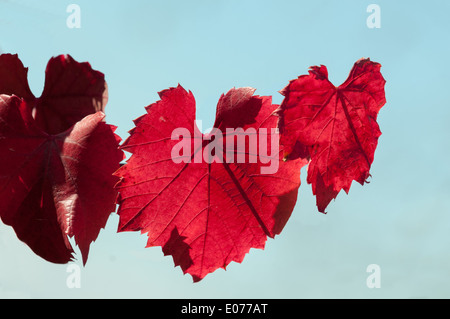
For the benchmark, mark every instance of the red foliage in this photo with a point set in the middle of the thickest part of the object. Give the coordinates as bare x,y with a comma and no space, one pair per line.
204,214
334,127
58,157
204,201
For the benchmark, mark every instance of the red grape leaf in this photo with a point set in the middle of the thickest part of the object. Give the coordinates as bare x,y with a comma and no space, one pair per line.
205,214
13,77
58,157
54,186
334,126
72,90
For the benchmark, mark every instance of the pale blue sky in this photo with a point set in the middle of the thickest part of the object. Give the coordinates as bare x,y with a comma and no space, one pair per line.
400,221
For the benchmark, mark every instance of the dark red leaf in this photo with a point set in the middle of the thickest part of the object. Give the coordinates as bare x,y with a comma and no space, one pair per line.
13,77
54,186
334,127
72,90
58,156
205,214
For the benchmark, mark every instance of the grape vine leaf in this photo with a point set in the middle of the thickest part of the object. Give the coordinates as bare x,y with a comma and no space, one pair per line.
334,127
205,214
72,90
58,157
